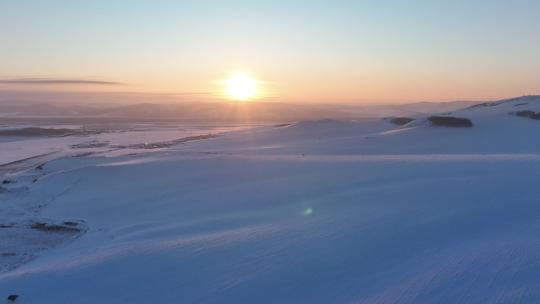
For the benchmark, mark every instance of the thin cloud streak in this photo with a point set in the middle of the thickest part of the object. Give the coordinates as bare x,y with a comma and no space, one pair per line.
53,81
48,94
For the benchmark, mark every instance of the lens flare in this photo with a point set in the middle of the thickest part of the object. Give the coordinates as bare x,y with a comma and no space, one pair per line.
308,211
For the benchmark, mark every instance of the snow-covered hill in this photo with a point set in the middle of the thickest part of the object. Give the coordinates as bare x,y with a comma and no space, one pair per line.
324,211
496,129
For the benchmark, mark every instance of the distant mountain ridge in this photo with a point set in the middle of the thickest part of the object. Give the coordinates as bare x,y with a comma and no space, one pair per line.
228,111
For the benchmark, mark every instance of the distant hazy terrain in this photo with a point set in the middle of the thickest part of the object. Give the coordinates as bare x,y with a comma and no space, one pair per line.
15,111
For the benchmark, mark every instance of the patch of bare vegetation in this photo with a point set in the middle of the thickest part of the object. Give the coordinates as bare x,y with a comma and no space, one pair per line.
37,132
46,227
401,121
528,114
22,242
450,121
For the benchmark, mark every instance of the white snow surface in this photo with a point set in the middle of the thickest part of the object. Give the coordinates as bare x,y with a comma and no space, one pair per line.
314,212
19,148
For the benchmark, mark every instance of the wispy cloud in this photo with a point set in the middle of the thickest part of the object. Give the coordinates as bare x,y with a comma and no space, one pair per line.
54,81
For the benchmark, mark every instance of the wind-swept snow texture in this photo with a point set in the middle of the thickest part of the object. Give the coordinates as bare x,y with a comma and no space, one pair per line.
314,212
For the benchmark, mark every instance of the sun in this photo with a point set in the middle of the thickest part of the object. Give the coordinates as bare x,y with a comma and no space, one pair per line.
241,86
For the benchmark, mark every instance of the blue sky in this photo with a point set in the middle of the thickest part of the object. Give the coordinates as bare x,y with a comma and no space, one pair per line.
304,50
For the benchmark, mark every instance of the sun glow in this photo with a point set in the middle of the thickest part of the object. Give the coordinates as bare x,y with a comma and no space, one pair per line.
241,86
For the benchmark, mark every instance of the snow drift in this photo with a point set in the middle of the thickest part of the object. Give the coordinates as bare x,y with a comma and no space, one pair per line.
313,212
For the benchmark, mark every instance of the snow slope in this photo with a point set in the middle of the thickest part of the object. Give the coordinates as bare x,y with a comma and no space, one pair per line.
315,212
495,131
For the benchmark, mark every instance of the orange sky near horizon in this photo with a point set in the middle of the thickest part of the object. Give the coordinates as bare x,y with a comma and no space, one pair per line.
375,88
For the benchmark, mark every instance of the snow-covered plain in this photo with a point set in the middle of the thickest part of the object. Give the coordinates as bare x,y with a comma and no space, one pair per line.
313,212
115,141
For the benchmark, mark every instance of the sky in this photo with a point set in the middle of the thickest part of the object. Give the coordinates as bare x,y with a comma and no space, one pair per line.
302,50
